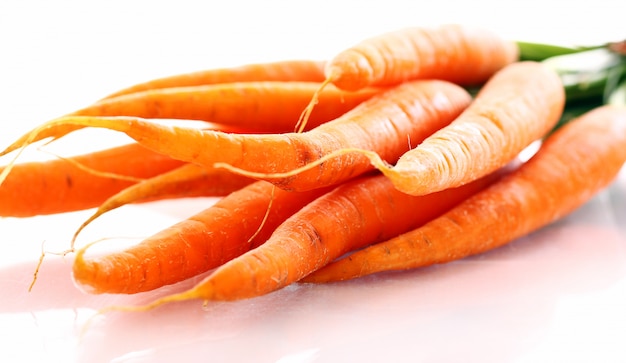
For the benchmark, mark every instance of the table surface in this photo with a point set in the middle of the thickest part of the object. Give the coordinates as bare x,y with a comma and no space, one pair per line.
557,294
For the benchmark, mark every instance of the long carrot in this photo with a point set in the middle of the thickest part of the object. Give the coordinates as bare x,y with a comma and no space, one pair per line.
572,165
188,180
457,53
60,185
386,124
284,70
520,104
223,231
461,54
257,107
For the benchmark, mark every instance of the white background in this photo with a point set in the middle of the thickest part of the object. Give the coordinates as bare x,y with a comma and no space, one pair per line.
557,295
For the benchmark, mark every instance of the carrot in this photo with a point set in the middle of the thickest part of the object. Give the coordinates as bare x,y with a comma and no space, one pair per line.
351,216
206,240
386,124
457,53
60,185
188,180
257,107
572,165
460,54
520,104
284,70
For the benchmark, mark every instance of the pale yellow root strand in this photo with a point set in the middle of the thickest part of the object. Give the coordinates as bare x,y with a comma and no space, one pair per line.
374,158
36,272
265,216
304,117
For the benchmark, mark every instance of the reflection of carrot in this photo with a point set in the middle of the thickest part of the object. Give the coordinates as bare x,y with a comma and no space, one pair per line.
556,181
188,180
59,185
203,241
457,53
289,70
385,124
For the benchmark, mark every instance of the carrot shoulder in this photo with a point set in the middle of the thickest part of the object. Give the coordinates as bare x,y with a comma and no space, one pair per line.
285,70
202,242
386,123
60,185
573,164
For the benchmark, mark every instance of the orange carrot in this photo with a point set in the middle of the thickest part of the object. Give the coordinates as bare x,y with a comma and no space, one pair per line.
59,185
257,107
572,165
223,231
285,70
520,104
386,124
460,54
355,214
188,180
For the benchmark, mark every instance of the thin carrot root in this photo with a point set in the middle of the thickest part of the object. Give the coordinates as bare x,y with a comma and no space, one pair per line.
373,157
306,114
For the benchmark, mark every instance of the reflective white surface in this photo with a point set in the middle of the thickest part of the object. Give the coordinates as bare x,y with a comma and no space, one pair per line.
556,295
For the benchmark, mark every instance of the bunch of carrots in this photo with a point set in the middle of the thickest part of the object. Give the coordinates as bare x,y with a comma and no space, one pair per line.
400,152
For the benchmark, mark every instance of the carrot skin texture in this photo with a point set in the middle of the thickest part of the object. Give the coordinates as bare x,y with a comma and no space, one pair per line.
193,246
55,186
457,53
385,124
254,106
353,215
573,164
287,70
517,106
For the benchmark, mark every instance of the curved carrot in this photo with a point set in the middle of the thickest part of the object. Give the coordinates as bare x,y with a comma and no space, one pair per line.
572,165
284,70
188,180
520,104
59,185
461,54
386,124
190,247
